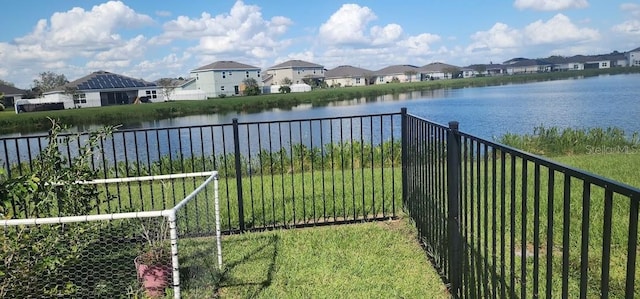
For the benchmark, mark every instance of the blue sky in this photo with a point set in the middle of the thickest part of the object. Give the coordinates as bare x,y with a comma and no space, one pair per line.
154,39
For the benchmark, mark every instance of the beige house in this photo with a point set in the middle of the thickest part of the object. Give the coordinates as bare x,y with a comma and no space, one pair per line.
222,77
346,75
295,70
438,70
402,73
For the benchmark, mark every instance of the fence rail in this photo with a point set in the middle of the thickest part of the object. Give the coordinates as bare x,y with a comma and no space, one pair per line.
500,222
272,174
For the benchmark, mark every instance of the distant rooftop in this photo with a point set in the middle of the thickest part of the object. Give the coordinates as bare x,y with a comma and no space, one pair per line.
344,71
225,65
295,64
107,80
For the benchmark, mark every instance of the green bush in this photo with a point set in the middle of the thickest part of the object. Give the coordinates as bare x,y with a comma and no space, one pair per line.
34,256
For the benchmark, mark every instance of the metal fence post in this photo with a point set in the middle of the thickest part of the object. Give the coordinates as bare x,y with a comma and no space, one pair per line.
404,142
453,196
237,154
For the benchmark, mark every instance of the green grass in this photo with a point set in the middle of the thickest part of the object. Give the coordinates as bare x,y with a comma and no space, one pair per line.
37,121
369,260
486,228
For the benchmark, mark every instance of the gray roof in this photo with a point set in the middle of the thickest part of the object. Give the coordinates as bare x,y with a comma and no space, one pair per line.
436,67
529,62
106,80
635,50
397,69
295,64
9,90
346,71
225,65
173,82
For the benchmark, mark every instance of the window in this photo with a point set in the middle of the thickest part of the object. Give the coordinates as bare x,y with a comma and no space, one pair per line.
247,74
575,66
258,74
229,73
222,88
224,75
357,80
152,94
80,98
381,79
604,64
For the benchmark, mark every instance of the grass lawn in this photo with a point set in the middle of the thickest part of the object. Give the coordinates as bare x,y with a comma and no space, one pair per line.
368,260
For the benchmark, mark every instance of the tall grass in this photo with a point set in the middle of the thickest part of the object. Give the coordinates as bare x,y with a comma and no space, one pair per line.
553,141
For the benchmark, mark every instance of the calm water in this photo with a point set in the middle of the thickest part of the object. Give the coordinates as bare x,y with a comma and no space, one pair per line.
604,101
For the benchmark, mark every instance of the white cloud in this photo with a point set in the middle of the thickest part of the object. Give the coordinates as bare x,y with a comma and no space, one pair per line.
241,32
550,5
385,35
630,27
496,39
347,25
632,8
419,44
558,29
75,34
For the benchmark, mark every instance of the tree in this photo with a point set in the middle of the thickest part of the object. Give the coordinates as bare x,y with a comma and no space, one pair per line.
286,81
49,81
454,71
284,89
251,87
409,74
72,92
167,88
7,83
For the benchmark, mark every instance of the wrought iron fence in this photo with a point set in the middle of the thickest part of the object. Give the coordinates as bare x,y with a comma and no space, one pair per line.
272,173
500,222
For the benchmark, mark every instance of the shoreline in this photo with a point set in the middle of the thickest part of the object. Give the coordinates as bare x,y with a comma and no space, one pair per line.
127,114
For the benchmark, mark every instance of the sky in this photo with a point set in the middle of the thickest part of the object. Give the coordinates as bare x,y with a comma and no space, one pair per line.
156,39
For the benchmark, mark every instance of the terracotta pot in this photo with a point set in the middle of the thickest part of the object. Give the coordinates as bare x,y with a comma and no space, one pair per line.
154,278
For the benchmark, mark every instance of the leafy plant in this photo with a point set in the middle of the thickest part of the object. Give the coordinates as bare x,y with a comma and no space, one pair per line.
33,255
156,251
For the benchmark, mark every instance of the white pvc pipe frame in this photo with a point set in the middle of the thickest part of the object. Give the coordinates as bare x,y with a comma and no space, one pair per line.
169,213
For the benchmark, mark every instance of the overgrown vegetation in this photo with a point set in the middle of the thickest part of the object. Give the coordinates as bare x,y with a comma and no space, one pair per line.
552,141
33,255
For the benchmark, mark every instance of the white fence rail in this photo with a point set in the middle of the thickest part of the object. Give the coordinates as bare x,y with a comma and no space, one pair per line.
114,226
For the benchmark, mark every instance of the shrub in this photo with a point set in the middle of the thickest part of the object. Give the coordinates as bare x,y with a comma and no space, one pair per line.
35,256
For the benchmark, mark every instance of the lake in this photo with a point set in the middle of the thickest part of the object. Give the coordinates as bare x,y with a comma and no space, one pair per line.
487,112
604,101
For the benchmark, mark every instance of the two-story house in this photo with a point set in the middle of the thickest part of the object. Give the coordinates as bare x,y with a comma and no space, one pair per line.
222,78
295,71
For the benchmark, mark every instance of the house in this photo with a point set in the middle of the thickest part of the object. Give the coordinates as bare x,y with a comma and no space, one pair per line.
297,71
222,78
398,73
634,57
173,89
438,70
10,94
346,75
524,65
97,89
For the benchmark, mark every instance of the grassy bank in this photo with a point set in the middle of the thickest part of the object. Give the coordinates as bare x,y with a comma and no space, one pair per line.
37,121
371,260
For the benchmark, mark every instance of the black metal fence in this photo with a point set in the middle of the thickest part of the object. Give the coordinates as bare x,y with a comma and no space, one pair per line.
500,222
272,174
497,221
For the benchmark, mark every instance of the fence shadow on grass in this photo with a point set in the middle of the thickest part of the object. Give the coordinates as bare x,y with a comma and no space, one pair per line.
248,268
